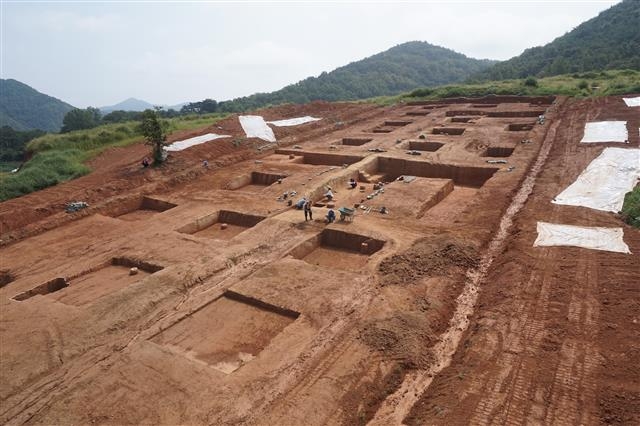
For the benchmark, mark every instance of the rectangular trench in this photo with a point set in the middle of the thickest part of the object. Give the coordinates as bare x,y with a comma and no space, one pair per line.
461,175
227,333
338,249
223,225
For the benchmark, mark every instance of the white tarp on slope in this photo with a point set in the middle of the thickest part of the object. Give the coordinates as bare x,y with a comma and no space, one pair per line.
180,145
605,131
605,181
632,102
294,121
254,126
608,239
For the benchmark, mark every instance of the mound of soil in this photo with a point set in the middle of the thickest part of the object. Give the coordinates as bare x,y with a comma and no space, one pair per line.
403,337
427,258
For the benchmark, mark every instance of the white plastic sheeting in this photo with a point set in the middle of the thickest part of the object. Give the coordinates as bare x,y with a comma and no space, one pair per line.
605,181
254,126
294,121
180,145
596,238
605,131
632,102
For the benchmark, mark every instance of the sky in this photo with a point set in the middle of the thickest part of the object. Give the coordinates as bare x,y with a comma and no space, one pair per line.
100,53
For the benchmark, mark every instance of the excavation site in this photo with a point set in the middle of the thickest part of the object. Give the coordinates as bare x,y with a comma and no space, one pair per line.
426,263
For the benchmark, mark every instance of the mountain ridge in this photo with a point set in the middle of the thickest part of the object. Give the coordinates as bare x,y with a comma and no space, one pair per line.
24,108
403,67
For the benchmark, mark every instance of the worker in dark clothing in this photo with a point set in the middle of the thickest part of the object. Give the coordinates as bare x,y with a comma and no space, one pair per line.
307,210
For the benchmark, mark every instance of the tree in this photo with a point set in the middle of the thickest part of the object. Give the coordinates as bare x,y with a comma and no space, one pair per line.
154,131
208,105
120,116
13,143
78,119
202,107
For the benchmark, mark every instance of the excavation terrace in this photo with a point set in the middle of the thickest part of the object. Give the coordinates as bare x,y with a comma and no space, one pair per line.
239,310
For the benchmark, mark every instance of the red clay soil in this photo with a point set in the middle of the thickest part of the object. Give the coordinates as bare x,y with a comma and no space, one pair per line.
555,335
117,172
438,311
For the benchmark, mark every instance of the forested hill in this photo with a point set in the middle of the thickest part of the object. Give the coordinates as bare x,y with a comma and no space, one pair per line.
611,40
401,68
24,108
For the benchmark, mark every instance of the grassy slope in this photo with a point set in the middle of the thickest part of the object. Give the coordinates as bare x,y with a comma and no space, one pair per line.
61,157
605,83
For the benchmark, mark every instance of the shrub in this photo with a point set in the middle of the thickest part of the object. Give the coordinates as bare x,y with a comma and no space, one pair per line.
531,82
421,92
631,207
43,170
583,85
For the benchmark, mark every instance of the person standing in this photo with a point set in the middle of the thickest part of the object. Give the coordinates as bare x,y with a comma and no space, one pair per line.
307,210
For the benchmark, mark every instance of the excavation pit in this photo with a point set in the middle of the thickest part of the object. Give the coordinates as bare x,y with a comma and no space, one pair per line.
474,177
338,249
94,283
141,209
396,123
484,105
403,199
6,277
426,104
418,113
513,114
518,127
51,286
462,119
355,141
330,160
425,146
104,279
256,181
222,225
498,151
228,332
383,130
464,113
451,131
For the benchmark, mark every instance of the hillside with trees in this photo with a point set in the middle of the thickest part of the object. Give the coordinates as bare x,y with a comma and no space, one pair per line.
24,108
401,68
611,40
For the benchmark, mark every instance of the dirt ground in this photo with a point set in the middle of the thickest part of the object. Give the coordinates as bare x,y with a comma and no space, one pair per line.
437,310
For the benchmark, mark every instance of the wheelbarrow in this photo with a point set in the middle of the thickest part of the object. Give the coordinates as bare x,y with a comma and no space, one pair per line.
346,214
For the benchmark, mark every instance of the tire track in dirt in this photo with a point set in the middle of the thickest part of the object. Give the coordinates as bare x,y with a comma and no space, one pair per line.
535,353
511,401
396,407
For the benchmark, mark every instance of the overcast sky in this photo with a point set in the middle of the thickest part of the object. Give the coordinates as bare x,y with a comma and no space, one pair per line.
100,53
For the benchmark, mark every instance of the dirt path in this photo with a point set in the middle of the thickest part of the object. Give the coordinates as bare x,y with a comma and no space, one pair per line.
397,406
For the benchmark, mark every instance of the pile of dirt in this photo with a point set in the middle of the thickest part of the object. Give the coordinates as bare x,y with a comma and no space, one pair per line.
427,258
403,337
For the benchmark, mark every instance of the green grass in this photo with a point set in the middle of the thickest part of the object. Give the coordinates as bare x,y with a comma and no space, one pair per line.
605,83
631,207
60,157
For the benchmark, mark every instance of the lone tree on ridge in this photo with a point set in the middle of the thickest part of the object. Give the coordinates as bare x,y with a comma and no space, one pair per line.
154,131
